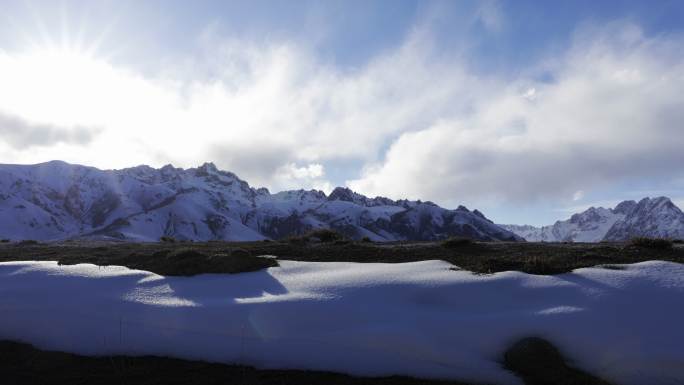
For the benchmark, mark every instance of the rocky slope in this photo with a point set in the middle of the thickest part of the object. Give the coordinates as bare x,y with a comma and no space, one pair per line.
56,200
650,217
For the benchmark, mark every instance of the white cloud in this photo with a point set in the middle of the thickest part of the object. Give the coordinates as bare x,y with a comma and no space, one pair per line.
530,94
578,195
19,133
424,124
311,176
612,113
254,108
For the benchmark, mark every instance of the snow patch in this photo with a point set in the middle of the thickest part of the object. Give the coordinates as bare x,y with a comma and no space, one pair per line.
419,319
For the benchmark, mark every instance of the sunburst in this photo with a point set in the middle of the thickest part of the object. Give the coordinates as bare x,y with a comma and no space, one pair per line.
56,75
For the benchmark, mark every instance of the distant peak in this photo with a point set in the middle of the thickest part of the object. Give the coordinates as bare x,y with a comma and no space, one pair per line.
209,166
479,214
625,207
56,163
345,194
657,201
342,190
206,169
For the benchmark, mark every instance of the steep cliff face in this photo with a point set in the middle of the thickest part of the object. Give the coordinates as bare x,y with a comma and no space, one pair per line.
56,200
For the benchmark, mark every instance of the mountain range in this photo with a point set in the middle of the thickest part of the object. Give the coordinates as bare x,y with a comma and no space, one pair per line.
57,201
650,217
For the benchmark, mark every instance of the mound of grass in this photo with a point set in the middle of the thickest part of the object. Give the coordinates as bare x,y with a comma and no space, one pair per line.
4,241
325,235
457,242
185,261
539,265
613,267
651,243
22,364
317,235
239,252
366,240
480,258
167,239
28,242
538,362
299,241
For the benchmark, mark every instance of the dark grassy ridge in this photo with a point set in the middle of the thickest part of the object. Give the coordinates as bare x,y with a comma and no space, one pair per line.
227,257
21,364
534,360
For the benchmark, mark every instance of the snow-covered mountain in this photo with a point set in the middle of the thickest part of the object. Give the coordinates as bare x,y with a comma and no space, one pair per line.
656,218
57,200
651,217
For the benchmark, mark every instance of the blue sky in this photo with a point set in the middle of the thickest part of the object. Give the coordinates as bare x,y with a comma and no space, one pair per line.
526,110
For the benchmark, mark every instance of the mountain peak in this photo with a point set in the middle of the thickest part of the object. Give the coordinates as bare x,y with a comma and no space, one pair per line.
479,214
209,166
169,168
206,169
656,204
661,200
204,203
625,207
54,163
347,195
650,217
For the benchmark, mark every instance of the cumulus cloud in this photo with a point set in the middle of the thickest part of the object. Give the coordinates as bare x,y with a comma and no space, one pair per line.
256,109
21,134
611,113
311,176
424,123
266,164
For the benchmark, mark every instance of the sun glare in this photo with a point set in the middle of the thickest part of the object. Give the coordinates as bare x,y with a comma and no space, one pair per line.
70,87
66,79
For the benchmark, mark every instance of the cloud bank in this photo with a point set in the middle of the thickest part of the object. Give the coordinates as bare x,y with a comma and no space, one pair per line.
425,123
610,112
21,134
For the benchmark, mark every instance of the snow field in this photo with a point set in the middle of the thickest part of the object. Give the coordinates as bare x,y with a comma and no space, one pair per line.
419,319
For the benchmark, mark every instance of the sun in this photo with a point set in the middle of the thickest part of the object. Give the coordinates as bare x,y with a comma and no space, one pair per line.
56,71
60,88
57,84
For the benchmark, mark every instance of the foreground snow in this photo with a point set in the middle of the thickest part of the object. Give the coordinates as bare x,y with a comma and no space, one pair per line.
420,319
